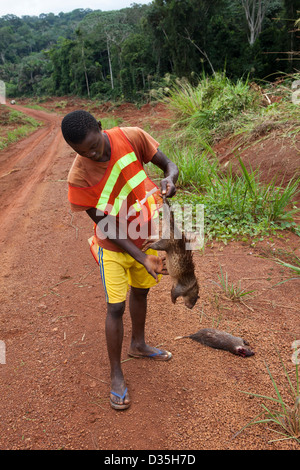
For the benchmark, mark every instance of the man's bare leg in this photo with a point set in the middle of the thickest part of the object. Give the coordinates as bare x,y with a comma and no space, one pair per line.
138,311
114,340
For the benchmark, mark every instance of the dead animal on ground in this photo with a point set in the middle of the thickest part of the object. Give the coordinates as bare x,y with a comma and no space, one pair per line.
221,340
179,259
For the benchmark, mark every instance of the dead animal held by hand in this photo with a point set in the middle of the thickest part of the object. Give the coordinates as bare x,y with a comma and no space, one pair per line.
179,259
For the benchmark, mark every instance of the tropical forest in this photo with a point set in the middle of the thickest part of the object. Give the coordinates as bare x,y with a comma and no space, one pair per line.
133,52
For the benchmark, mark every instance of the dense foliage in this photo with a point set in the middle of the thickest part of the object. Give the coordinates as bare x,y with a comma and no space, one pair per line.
130,53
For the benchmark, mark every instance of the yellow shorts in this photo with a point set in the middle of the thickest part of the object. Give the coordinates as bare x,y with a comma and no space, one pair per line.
119,271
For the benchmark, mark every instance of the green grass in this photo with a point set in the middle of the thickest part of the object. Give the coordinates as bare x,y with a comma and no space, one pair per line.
197,166
108,123
37,107
232,291
239,206
295,268
283,413
217,107
24,125
211,107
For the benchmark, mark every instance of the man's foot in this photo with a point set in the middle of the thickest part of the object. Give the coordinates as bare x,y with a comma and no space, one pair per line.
119,402
150,353
119,396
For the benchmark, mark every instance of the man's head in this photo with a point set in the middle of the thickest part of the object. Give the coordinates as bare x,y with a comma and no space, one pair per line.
76,126
83,133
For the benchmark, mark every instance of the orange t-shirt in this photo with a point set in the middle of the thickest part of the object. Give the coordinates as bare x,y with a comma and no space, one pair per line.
85,172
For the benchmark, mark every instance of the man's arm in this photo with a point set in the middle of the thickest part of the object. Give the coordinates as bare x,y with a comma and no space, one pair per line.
153,264
170,170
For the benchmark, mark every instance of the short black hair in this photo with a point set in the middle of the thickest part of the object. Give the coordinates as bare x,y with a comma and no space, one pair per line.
76,125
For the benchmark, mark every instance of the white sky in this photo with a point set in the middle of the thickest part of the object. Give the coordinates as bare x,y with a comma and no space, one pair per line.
36,7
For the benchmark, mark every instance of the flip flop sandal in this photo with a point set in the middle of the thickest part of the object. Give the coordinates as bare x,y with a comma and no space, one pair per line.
158,355
119,406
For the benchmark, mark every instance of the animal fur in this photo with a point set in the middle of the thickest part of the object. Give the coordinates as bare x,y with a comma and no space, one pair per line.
221,340
179,260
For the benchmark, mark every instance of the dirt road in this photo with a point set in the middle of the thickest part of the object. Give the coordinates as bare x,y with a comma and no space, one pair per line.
54,385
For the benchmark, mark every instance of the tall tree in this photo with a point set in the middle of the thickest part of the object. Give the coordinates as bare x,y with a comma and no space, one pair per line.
255,11
181,26
109,28
82,47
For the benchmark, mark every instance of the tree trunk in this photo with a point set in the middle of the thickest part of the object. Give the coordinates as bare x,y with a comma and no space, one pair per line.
85,71
255,11
188,37
110,67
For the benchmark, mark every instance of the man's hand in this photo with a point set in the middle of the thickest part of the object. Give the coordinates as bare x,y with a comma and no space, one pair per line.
168,187
155,265
170,173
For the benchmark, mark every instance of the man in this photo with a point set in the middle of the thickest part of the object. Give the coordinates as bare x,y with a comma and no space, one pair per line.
107,176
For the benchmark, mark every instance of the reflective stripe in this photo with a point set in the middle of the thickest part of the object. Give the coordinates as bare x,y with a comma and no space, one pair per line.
110,183
127,188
